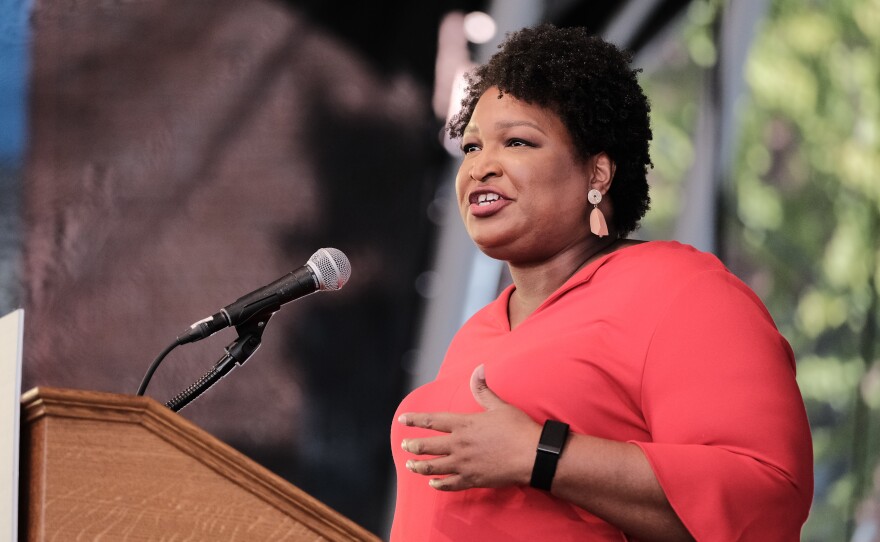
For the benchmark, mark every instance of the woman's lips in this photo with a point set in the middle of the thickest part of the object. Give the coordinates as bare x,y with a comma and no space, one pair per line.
486,203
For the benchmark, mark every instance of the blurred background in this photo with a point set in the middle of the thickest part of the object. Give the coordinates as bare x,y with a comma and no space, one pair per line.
159,159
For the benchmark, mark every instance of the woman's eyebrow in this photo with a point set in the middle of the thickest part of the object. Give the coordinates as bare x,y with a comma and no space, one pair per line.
501,125
504,124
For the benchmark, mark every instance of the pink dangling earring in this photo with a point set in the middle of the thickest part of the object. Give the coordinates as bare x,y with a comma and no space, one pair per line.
597,220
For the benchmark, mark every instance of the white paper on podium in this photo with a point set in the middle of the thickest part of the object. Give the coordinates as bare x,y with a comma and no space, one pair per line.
11,337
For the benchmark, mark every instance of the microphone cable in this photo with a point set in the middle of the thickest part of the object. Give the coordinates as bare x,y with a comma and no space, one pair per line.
155,365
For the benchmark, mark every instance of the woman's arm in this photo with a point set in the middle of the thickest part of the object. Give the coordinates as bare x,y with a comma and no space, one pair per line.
614,481
496,448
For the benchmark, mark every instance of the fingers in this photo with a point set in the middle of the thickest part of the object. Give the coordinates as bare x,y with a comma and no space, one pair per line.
431,467
447,422
434,467
438,421
482,394
453,482
427,446
466,452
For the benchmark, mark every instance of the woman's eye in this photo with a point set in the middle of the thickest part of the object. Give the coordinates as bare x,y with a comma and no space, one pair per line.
518,143
468,148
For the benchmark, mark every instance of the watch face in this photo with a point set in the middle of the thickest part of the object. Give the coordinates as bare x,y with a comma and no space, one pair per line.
553,437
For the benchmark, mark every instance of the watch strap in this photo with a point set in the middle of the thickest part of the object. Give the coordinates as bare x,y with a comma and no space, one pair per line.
550,446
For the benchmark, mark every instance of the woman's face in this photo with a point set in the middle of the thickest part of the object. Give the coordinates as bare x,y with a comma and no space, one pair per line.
521,189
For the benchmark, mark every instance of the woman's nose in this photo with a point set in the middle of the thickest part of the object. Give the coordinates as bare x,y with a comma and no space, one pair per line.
485,166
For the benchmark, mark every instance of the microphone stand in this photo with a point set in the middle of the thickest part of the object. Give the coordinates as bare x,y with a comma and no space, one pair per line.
250,335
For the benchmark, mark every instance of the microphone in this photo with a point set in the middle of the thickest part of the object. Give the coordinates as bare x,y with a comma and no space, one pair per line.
327,269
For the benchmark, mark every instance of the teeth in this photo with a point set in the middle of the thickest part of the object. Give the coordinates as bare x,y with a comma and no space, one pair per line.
487,198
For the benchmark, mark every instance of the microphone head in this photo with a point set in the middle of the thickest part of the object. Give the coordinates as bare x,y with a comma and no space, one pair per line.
331,268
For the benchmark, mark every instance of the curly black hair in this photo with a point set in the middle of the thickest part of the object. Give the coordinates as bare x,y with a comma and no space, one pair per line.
588,82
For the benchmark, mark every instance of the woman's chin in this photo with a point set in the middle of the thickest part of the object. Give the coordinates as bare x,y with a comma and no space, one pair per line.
496,249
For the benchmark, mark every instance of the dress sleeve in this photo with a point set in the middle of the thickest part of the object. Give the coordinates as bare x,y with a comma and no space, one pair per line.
731,444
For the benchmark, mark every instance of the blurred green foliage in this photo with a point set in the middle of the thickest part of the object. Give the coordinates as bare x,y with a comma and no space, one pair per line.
801,219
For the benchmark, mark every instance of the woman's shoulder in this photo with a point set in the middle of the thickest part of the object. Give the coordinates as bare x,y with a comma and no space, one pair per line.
667,257
668,269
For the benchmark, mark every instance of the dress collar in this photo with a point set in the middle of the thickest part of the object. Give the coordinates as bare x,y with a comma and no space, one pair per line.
498,308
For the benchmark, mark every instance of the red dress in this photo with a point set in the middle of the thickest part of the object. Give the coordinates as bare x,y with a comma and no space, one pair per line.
656,344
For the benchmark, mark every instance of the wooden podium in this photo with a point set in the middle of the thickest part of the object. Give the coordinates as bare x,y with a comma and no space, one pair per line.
100,466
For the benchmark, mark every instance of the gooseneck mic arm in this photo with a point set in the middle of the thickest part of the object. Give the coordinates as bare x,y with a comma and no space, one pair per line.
239,351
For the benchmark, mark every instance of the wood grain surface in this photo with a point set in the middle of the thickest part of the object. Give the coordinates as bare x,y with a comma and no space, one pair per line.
99,466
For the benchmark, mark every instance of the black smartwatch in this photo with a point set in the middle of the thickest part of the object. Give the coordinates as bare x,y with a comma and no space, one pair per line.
553,438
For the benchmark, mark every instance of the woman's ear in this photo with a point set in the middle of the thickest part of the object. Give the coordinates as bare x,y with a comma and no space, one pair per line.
601,169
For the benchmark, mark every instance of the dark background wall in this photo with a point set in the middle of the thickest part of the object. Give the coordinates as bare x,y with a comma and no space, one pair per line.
184,153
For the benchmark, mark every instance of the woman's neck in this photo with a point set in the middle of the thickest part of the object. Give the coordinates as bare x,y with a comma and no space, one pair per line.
536,281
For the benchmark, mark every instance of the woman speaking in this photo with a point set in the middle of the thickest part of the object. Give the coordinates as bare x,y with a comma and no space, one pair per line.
617,390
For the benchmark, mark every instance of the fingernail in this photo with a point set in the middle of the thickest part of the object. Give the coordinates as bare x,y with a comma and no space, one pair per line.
435,483
410,465
402,419
481,372
403,445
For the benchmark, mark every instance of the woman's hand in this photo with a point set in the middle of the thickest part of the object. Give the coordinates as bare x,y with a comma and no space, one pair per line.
493,448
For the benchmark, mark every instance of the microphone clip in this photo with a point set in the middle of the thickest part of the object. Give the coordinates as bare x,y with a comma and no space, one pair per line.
250,335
